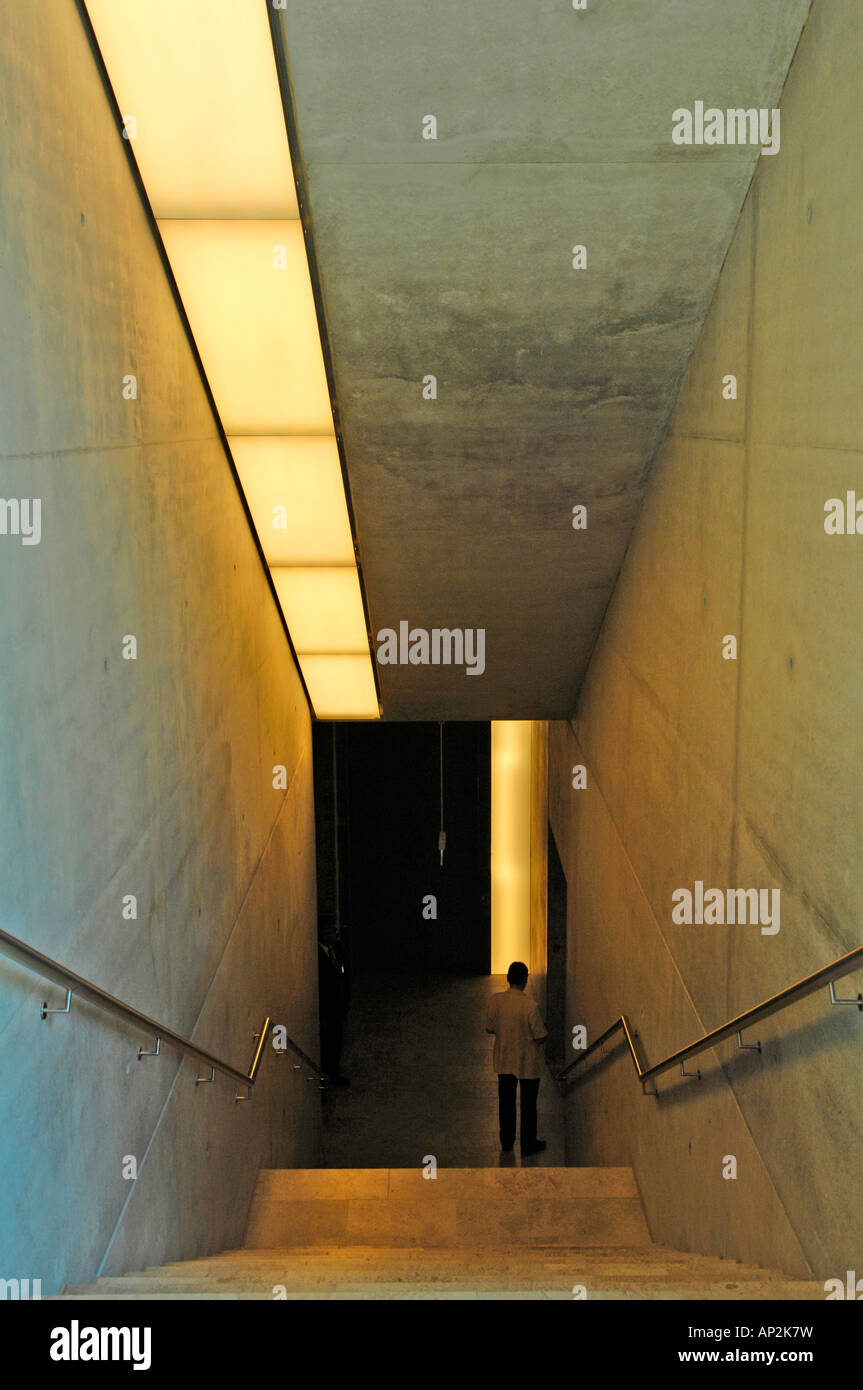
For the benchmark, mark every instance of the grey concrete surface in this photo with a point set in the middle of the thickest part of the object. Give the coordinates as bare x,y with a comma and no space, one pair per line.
740,773
453,257
150,777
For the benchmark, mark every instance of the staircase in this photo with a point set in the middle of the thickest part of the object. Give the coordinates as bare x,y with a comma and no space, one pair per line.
475,1233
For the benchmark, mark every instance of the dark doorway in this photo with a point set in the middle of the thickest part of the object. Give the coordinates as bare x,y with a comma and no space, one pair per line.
378,813
556,954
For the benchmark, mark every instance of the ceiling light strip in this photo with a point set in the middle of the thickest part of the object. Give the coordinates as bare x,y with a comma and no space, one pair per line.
288,108
213,225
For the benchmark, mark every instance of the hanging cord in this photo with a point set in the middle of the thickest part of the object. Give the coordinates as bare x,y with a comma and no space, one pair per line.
336,828
441,839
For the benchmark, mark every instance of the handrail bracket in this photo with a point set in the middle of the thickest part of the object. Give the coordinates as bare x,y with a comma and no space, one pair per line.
45,1011
834,1000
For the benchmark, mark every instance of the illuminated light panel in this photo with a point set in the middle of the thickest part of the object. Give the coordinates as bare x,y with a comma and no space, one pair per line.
200,86
510,843
323,609
341,687
201,82
302,475
254,324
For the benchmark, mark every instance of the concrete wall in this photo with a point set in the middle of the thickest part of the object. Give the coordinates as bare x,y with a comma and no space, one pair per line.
741,773
150,777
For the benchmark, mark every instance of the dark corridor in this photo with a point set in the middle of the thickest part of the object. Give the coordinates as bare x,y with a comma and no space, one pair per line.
378,814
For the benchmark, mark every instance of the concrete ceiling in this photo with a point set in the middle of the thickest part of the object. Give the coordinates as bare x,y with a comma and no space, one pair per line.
453,257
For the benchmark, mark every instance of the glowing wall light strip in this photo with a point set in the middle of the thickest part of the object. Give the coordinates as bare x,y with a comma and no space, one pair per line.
198,90
293,485
341,686
200,82
247,292
323,608
510,843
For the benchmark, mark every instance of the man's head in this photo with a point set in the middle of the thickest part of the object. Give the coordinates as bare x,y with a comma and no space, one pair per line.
517,974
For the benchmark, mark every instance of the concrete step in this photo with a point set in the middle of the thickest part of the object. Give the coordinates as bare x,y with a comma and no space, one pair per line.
327,1184
322,1263
470,1233
639,1272
489,1206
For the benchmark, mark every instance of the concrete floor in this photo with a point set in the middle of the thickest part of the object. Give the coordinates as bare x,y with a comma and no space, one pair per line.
419,1062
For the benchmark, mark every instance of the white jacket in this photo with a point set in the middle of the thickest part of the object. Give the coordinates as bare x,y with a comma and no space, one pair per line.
516,1022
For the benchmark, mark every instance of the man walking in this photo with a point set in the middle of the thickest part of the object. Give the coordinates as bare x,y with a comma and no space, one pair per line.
519,1033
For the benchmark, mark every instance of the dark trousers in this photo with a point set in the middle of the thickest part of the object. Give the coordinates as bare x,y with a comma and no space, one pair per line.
506,1088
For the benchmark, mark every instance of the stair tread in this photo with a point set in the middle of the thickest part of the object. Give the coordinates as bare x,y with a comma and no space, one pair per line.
324,1184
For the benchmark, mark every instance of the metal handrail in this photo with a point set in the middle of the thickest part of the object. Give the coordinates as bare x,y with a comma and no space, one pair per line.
43,965
826,976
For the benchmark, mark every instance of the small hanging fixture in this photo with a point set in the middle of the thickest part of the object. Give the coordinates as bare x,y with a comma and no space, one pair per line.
441,839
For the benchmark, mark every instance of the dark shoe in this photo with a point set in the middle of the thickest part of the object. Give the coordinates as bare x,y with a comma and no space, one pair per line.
536,1148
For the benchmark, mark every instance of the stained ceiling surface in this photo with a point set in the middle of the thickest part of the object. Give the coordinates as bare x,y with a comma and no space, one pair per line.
453,258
